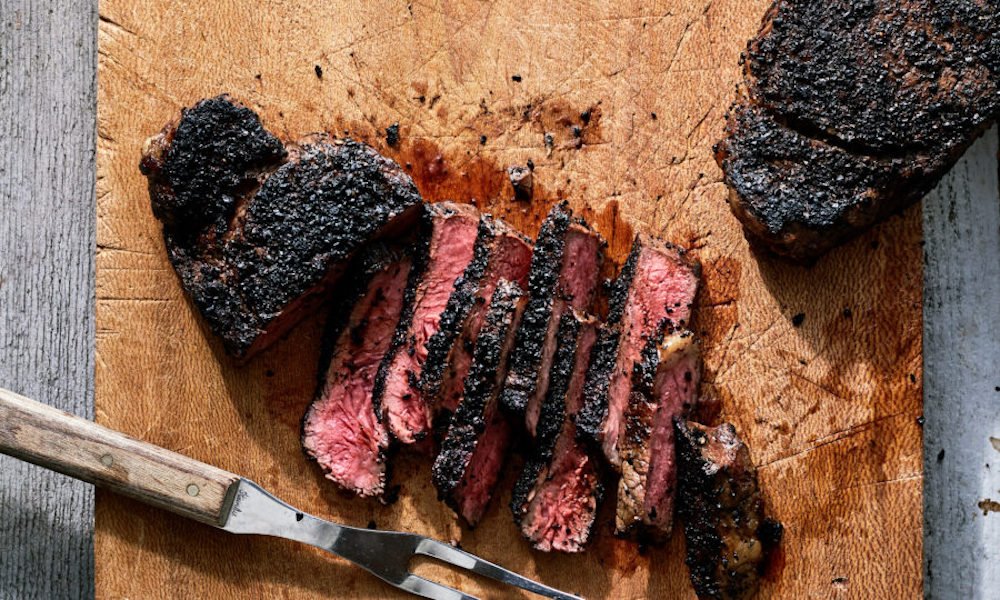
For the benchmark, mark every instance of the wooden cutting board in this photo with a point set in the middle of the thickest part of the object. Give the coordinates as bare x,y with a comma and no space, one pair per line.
819,368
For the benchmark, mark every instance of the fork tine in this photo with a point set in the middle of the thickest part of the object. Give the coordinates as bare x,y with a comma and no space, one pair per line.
428,589
464,560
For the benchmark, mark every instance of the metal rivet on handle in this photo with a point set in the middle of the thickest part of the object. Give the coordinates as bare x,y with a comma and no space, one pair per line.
107,460
192,489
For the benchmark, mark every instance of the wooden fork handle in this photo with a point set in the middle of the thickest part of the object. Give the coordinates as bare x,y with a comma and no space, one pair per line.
56,440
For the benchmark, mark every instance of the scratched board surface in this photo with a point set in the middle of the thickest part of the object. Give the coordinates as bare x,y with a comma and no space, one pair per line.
617,107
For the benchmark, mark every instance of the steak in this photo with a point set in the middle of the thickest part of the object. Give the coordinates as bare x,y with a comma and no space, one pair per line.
728,535
341,430
448,237
258,231
474,449
654,291
502,254
852,110
664,387
556,497
565,269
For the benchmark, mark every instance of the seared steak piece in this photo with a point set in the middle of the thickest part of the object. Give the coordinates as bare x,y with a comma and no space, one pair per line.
341,431
653,292
502,253
448,237
258,231
852,110
728,535
564,275
555,499
475,447
664,387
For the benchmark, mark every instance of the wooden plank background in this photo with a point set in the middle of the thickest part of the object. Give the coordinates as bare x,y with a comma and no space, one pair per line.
48,64
46,89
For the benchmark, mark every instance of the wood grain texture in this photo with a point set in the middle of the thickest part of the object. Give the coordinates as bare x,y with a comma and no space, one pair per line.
48,61
962,396
80,448
618,107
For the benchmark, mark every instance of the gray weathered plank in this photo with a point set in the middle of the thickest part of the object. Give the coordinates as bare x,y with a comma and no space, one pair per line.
961,378
47,102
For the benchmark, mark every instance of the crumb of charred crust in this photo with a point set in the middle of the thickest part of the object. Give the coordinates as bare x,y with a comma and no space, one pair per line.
921,421
585,117
391,495
522,180
372,524
392,135
319,71
848,313
515,78
482,140
652,116
798,319
940,455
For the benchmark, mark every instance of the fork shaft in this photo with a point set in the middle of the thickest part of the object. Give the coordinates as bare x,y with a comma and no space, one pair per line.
56,440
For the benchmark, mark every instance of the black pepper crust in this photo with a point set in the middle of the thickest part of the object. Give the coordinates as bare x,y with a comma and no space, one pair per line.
590,419
457,310
478,401
720,505
894,76
552,415
543,279
258,232
798,196
370,262
816,151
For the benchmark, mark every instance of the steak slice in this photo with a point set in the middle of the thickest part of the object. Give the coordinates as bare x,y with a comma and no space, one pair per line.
852,110
505,255
664,388
556,496
473,451
728,535
565,269
654,291
341,430
448,237
259,231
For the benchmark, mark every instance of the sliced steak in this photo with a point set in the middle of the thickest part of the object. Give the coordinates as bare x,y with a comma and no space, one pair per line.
852,110
341,431
258,231
728,535
565,269
654,291
664,388
447,240
556,496
505,254
475,447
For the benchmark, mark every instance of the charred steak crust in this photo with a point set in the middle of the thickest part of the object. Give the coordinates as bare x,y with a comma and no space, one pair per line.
553,414
258,232
590,419
372,261
816,151
199,167
473,414
893,75
525,360
460,304
728,535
